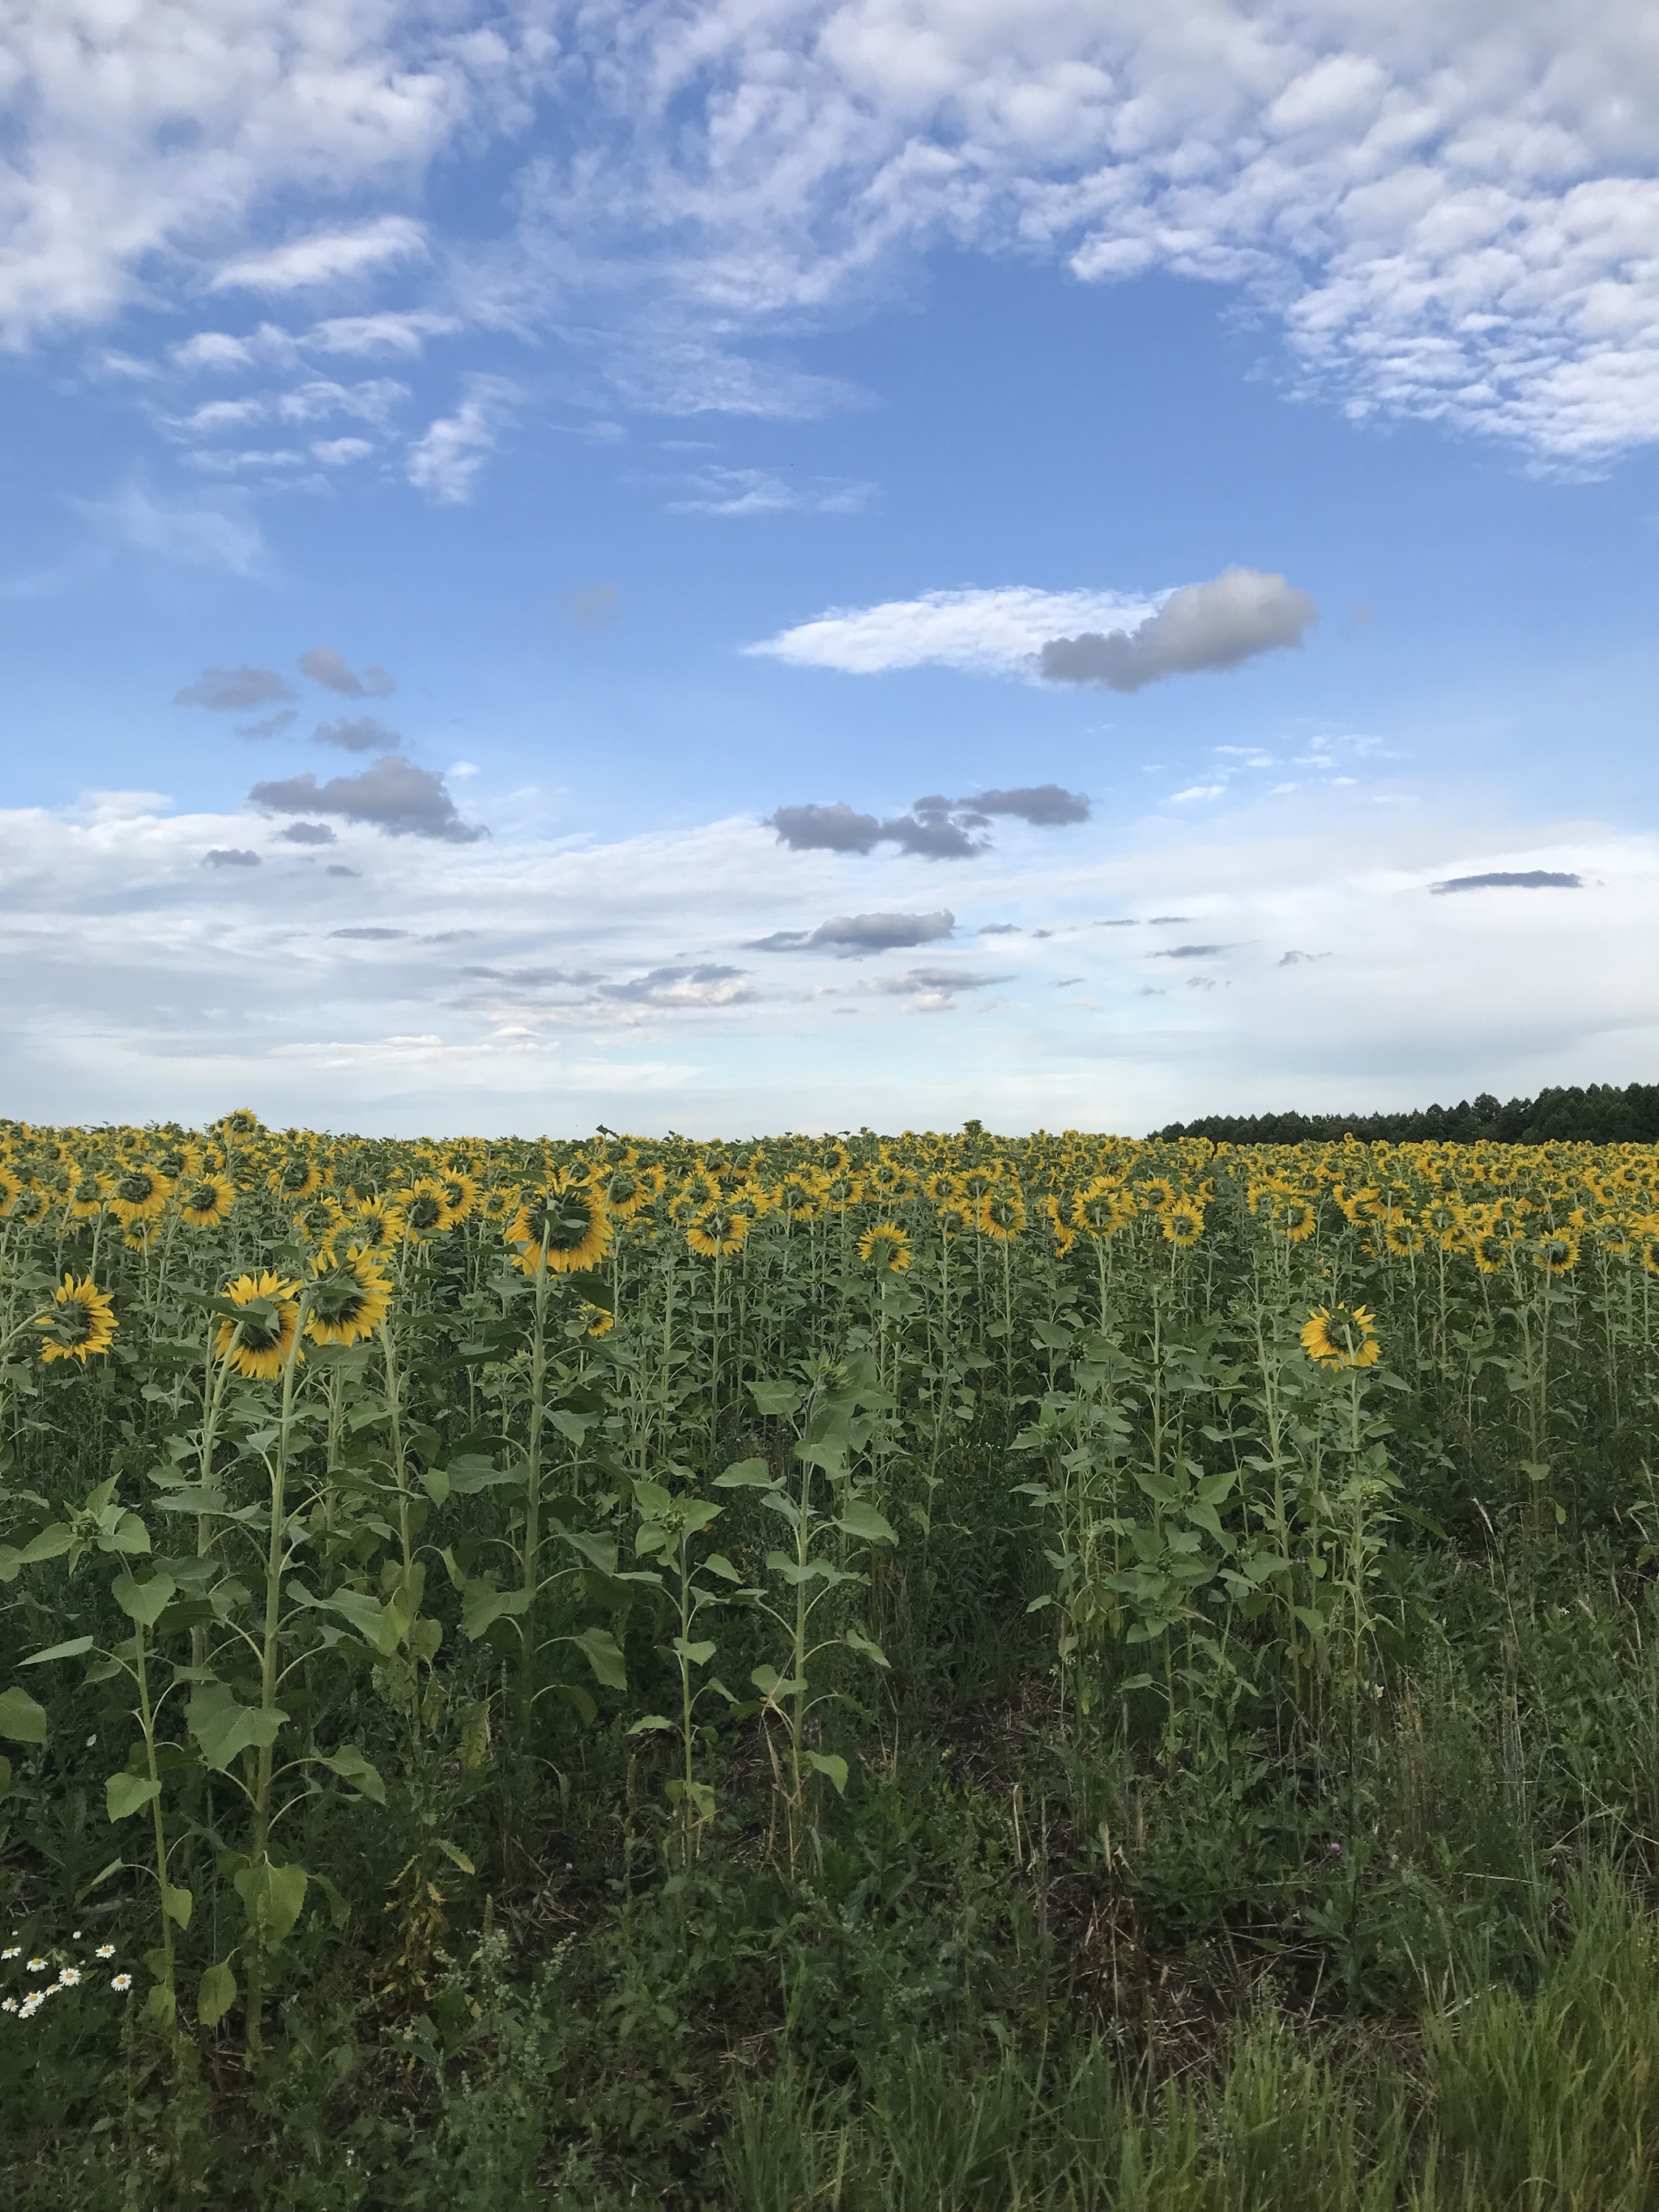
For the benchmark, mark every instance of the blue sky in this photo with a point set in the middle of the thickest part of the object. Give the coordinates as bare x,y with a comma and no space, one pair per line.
646,423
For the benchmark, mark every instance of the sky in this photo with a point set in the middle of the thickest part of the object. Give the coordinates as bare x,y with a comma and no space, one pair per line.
743,565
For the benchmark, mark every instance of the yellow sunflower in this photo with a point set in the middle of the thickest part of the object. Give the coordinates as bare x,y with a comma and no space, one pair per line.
1002,1213
375,1226
1102,1208
563,1227
460,1192
1294,1217
297,1178
1341,1336
79,1322
425,1208
1182,1222
349,1298
599,1322
886,1247
267,1330
718,1230
87,1193
1491,1248
11,1189
1402,1238
1555,1253
205,1200
319,1221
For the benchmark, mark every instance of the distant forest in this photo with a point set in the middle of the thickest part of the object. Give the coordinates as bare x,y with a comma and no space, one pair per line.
1602,1114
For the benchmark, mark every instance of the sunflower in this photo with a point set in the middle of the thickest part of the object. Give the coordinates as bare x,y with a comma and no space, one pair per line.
31,1204
425,1208
1155,1191
460,1192
205,1200
296,1178
886,1247
1555,1253
599,1321
1295,1219
375,1226
717,1229
499,1204
1442,1218
80,1320
1182,1222
1102,1208
954,1219
1403,1239
11,1189
624,1191
350,1299
88,1193
1491,1248
241,1122
1341,1336
266,1338
1002,1213
562,1228
319,1221
1647,1247
800,1196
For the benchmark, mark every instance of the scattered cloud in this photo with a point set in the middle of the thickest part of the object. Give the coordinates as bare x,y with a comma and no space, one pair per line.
369,934
374,400
834,828
231,690
444,461
1239,613
850,936
272,727
1044,806
1300,959
326,667
363,735
199,536
999,632
323,258
1511,879
740,492
337,868
221,856
404,334
1190,952
392,794
710,984
308,833
340,452
595,606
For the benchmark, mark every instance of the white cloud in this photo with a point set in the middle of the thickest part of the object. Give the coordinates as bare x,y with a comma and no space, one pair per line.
739,492
404,334
1451,207
444,461
324,257
205,537
998,632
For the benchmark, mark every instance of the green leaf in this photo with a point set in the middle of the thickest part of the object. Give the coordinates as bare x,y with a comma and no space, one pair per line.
651,1721
177,1904
129,1535
745,1474
216,1993
72,1649
775,1402
144,1603
339,1910
460,1858
859,1641
603,1656
273,1896
481,1606
5,1777
22,1721
159,2005
351,1766
828,1763
126,1794
861,1520
225,1730
698,1654
573,1425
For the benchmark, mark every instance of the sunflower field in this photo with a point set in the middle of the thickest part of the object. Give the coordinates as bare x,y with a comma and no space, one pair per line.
933,1672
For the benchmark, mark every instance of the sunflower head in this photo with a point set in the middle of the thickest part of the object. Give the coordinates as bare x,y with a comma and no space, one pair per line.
349,1298
1182,1222
563,1228
205,1200
1002,1212
886,1247
1341,1336
79,1323
296,1178
1554,1253
257,1346
376,1226
425,1209
718,1230
460,1192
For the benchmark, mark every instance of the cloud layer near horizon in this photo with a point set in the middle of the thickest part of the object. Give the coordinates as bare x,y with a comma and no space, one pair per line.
165,964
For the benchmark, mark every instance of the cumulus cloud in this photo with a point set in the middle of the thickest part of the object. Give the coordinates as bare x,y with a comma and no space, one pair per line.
444,461
1511,879
850,936
1240,613
935,827
363,735
392,794
834,828
221,856
324,257
308,833
326,667
230,691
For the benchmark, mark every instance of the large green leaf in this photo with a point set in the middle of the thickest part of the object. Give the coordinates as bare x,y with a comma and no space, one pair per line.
22,1721
127,1793
144,1603
349,1763
72,1649
225,1730
216,1993
274,1897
